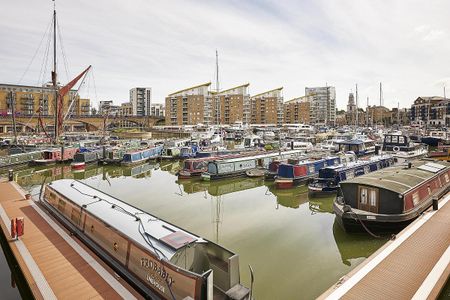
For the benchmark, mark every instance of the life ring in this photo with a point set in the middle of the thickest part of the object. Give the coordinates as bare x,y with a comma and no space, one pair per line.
396,149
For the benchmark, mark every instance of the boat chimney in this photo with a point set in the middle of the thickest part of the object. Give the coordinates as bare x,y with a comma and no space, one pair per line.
409,165
435,204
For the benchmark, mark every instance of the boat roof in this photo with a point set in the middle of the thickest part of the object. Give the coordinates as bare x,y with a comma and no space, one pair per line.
350,142
257,156
401,179
123,218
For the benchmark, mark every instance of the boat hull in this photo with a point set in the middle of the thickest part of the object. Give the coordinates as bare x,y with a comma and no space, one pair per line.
321,191
431,141
43,162
351,220
287,183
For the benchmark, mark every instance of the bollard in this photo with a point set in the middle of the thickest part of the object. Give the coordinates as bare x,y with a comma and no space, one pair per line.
435,204
10,175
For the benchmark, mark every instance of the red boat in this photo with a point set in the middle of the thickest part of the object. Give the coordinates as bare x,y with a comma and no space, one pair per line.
56,155
194,167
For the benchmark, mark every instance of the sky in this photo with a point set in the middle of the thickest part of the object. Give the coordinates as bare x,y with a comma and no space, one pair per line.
170,45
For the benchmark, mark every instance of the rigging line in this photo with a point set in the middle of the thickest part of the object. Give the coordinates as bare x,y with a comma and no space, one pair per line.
95,88
43,68
63,51
35,53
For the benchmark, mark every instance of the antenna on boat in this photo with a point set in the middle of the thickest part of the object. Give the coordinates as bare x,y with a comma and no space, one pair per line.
356,123
217,89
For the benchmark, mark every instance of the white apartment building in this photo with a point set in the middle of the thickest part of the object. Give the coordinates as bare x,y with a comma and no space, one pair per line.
323,104
140,99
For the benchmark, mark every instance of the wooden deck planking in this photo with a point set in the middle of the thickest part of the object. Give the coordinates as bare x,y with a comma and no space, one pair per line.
401,272
67,273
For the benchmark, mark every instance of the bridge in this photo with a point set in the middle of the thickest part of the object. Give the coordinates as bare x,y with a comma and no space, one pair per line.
79,123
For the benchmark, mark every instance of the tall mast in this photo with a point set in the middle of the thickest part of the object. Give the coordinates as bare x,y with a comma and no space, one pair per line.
367,112
381,104
398,113
54,78
356,123
13,111
217,88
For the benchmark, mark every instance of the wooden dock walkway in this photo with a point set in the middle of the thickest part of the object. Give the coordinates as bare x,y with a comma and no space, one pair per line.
416,265
55,265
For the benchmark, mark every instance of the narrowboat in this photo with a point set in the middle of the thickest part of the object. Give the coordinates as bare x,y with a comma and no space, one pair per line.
194,167
53,156
401,147
330,177
360,147
235,167
19,159
290,175
81,159
159,259
391,198
141,156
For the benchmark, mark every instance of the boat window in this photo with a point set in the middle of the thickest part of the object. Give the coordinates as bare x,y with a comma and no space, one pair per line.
373,198
75,216
388,139
415,198
61,205
401,139
446,177
363,196
395,139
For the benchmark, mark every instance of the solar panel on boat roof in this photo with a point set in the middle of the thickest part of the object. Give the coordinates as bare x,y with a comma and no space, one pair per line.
177,239
431,167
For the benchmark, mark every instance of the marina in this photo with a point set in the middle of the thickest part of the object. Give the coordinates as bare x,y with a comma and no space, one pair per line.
162,181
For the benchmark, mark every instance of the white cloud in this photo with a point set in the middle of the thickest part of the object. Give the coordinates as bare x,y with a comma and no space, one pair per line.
169,45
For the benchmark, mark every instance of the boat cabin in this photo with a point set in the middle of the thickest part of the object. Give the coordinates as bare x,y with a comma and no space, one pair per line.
392,196
359,147
161,259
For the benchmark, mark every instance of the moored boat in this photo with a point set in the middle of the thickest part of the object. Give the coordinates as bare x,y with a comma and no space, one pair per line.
402,148
19,159
81,159
53,156
389,199
141,156
160,259
235,167
360,147
329,177
290,175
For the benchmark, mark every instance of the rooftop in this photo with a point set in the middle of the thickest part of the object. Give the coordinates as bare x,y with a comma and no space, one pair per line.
267,92
401,179
190,88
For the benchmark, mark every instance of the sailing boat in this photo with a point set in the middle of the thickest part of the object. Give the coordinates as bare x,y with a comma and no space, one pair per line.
59,92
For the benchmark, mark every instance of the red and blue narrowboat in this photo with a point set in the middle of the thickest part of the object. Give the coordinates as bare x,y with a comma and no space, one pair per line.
54,156
290,175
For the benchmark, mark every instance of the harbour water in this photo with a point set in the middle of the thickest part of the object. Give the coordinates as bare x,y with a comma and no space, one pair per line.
292,242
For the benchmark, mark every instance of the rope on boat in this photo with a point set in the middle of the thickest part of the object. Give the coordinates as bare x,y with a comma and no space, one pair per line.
364,225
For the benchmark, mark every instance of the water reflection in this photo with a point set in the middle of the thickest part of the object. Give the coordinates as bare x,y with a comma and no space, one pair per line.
247,215
292,198
353,246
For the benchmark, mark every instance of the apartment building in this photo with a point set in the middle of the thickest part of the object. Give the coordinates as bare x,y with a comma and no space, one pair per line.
190,106
29,100
267,107
141,99
157,110
323,104
428,111
297,110
231,105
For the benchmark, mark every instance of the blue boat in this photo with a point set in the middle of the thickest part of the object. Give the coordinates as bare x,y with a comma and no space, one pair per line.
290,175
188,151
330,177
141,156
